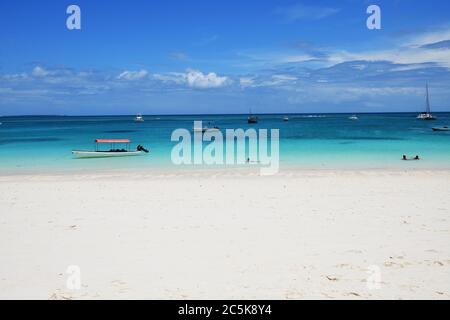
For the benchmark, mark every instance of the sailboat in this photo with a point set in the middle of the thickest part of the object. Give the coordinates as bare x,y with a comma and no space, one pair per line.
427,114
251,118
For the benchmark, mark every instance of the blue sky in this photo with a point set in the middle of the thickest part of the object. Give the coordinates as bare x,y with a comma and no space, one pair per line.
166,57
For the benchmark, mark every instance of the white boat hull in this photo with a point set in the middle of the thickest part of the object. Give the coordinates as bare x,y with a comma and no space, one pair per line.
206,130
426,116
441,129
104,154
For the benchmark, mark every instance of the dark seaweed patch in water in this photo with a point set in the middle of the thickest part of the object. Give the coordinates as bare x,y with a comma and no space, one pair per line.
120,131
25,140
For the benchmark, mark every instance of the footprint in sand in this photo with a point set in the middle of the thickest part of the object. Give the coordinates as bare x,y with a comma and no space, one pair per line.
354,294
326,295
176,294
121,285
332,278
58,295
293,294
354,251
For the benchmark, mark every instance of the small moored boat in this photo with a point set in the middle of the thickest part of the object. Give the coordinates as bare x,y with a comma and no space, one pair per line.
139,118
252,118
441,128
112,152
205,129
353,117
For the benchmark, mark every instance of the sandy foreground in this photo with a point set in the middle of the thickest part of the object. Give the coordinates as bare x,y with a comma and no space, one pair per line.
302,234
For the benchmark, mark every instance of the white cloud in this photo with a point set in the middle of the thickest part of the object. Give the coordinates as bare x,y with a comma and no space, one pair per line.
296,58
411,51
411,67
402,55
15,76
176,77
40,72
281,80
55,75
428,37
197,79
132,75
246,82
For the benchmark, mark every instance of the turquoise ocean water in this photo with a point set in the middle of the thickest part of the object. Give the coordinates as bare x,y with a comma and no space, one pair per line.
44,143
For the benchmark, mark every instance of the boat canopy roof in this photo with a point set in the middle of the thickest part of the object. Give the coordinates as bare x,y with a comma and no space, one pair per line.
112,141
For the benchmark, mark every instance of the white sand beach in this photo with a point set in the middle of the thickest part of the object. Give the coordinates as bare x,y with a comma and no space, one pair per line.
301,234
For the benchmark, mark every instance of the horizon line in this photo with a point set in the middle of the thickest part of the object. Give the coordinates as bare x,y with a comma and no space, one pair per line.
211,114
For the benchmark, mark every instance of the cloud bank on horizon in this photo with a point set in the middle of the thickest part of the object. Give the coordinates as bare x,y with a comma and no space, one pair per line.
284,57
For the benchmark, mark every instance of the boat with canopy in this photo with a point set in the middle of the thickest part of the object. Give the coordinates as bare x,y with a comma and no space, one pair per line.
117,148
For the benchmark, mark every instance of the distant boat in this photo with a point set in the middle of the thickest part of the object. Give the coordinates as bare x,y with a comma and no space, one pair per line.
353,117
427,114
139,118
441,129
286,119
252,118
205,129
112,152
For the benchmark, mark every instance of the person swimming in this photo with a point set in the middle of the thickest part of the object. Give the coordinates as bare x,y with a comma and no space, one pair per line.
404,157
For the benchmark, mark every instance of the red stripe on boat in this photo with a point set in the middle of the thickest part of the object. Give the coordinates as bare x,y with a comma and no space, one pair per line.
112,141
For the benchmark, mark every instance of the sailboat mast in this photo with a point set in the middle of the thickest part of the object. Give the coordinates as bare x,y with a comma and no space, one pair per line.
428,101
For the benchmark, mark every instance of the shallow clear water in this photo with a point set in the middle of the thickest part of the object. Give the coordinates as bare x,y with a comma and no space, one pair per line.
310,141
